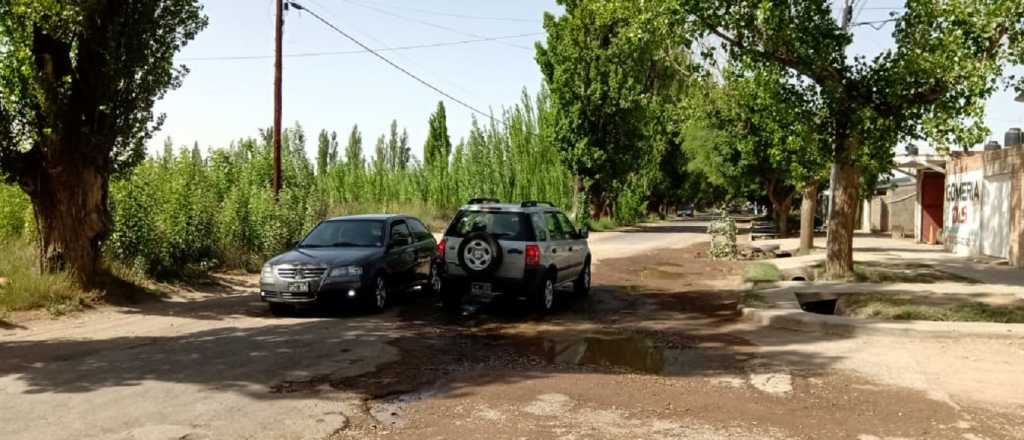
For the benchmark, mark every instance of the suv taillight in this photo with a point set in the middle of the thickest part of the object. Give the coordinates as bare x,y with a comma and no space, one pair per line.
440,248
532,255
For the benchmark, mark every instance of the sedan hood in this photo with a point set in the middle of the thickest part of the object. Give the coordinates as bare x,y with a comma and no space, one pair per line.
326,257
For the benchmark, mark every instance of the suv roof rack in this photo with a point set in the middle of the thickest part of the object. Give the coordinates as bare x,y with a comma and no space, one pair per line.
482,200
535,203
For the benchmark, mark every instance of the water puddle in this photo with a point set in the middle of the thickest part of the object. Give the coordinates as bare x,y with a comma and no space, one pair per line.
639,353
632,352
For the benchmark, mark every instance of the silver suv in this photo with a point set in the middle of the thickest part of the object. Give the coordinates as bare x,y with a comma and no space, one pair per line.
525,249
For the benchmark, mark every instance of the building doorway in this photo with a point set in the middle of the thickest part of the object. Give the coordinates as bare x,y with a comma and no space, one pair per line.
933,191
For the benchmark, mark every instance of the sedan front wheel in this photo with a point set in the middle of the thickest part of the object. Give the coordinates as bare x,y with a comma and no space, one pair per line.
378,295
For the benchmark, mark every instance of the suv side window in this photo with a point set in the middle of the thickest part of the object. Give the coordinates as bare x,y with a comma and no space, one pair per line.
418,230
554,226
570,230
400,231
539,226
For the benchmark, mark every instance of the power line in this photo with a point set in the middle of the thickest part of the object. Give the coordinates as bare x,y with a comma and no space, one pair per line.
877,24
386,60
470,17
359,51
427,23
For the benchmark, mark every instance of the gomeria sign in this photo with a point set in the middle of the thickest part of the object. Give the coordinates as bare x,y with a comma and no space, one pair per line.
962,216
962,192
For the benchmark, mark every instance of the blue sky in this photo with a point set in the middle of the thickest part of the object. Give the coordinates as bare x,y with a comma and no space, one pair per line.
225,99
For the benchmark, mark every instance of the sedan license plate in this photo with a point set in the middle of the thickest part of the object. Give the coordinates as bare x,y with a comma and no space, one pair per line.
298,287
480,288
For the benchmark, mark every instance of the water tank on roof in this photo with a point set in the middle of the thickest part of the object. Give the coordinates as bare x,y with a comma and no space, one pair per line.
992,145
1014,136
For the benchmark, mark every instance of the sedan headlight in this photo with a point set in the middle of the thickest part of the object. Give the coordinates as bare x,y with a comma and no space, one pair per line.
345,271
267,273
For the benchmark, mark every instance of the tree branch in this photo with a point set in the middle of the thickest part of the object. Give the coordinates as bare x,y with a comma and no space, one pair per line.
822,76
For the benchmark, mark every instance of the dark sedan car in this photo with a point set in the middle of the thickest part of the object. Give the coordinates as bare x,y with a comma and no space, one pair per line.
355,259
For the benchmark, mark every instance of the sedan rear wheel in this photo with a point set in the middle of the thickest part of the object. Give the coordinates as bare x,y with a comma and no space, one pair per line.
435,281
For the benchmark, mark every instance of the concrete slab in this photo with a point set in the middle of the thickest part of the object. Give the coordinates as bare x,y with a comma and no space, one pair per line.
796,319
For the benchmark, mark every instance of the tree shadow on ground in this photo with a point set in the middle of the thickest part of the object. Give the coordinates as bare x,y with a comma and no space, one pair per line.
5,325
427,346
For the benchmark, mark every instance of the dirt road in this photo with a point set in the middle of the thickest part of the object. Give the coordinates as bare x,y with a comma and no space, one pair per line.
655,352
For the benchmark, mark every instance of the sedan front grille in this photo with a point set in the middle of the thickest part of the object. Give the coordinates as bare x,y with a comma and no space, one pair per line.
300,273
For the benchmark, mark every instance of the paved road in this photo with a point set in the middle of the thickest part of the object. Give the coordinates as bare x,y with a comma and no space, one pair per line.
655,352
647,238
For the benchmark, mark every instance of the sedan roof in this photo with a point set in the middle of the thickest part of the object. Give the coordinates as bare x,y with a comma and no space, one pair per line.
368,217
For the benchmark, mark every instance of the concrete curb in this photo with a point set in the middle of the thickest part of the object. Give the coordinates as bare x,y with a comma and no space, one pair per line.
794,319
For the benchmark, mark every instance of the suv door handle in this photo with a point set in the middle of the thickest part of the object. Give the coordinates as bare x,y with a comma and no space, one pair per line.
515,252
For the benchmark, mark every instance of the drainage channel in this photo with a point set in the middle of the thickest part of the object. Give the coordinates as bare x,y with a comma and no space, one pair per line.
818,303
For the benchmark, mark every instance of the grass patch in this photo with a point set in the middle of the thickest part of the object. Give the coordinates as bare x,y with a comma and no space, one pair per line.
902,308
762,273
27,289
902,273
602,224
753,299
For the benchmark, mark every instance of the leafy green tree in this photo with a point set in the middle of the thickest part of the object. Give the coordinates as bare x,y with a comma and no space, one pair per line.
947,60
754,133
196,155
354,150
77,85
610,66
438,146
399,154
327,151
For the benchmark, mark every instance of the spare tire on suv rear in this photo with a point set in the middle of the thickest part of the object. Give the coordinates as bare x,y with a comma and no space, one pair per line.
480,254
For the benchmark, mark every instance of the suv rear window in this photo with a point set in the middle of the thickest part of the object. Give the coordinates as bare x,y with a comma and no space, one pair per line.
511,226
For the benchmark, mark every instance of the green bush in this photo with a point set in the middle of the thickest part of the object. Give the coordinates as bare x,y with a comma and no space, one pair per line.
16,218
181,211
602,224
27,289
723,238
762,272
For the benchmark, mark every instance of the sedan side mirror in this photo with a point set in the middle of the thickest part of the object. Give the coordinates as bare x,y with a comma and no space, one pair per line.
293,244
584,232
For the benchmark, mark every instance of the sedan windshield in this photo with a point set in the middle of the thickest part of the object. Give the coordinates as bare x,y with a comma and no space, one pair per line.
346,233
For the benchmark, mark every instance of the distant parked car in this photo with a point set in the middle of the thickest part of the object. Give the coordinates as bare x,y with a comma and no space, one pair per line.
524,249
361,260
686,211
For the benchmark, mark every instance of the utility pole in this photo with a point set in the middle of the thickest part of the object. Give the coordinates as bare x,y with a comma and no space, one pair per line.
278,31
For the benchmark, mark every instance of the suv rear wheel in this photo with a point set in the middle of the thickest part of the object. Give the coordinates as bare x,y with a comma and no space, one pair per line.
480,254
544,298
581,286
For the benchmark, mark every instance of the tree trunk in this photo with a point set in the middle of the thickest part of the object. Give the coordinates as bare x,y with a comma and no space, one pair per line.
70,203
781,211
839,259
578,196
781,197
808,206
